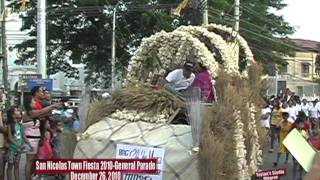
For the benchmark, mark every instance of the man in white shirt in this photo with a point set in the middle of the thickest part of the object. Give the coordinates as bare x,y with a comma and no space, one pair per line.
180,79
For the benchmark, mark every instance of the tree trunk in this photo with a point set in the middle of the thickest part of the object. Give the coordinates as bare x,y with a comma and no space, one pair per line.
4,55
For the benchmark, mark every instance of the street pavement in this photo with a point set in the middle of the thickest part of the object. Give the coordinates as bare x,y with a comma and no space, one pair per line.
270,158
22,169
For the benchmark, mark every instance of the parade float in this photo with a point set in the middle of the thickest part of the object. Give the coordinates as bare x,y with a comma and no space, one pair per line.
216,141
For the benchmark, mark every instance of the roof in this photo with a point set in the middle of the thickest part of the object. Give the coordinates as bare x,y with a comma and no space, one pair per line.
307,44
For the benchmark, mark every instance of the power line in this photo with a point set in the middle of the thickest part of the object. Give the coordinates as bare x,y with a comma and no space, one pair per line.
262,36
265,19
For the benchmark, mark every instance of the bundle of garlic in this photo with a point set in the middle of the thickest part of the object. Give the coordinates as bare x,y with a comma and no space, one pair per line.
240,147
256,155
229,65
134,116
248,55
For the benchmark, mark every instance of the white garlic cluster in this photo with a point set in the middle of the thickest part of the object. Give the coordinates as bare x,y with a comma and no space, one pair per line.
134,116
240,147
242,44
256,156
229,64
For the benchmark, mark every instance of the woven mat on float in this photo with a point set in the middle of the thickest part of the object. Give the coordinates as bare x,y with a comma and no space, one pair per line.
101,139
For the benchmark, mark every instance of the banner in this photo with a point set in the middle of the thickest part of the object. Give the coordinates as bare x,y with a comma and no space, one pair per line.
128,151
96,169
23,81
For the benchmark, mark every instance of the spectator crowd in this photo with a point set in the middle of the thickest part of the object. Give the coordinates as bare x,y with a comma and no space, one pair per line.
35,130
284,112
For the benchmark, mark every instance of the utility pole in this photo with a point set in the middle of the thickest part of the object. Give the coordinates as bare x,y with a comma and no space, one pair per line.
113,53
4,54
205,12
41,38
237,15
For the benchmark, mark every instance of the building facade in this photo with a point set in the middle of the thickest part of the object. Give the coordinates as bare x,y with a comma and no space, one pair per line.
300,72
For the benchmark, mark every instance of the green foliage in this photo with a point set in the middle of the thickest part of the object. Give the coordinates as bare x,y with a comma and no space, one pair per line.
83,35
79,34
261,27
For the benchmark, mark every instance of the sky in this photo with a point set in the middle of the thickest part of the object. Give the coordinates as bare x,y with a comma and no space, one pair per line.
304,15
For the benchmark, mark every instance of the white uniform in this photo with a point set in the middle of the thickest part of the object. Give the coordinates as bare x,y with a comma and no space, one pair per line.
292,112
305,109
265,117
314,112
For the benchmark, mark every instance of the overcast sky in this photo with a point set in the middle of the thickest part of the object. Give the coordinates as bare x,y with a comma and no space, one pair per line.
304,15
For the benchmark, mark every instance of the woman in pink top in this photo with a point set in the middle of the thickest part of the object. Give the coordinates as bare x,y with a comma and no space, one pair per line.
31,121
204,82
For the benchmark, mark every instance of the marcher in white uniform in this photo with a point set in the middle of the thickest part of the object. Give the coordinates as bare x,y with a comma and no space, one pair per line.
305,107
265,116
314,114
298,108
289,108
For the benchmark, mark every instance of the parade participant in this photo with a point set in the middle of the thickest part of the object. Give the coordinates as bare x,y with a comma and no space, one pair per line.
299,125
314,140
265,116
297,104
45,149
307,124
318,106
16,140
285,127
31,122
314,114
289,108
305,107
276,118
203,80
314,174
180,80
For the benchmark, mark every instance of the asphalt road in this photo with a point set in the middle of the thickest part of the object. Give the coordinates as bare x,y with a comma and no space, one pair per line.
270,158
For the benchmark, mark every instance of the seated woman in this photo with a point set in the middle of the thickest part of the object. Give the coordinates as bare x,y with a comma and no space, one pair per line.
203,80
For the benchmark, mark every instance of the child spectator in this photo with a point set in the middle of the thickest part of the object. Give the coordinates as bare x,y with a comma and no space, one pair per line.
45,149
16,140
57,128
285,128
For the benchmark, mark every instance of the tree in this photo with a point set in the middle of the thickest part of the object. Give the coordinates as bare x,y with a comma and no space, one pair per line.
262,28
81,32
